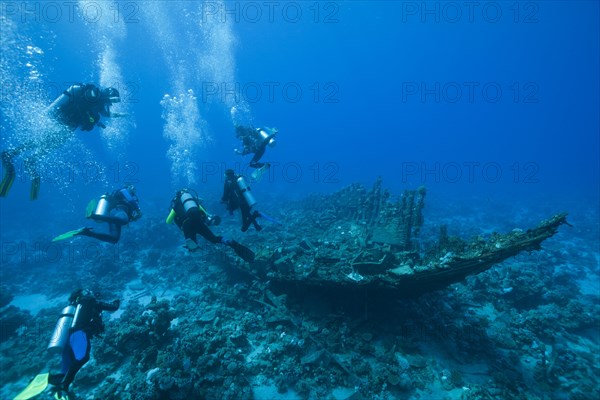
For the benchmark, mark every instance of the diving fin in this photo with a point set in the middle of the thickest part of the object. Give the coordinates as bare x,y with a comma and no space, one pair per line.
257,174
69,234
35,188
91,207
9,174
242,251
268,218
37,386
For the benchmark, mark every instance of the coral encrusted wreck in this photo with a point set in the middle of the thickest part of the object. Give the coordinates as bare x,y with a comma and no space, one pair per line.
364,238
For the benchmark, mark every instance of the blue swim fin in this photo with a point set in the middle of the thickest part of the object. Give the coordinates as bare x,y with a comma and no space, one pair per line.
268,218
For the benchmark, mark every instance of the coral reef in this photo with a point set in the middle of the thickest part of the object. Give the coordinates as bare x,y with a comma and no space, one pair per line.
208,326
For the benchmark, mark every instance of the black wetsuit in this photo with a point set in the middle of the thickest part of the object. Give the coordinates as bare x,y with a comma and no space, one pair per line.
77,350
253,143
122,212
83,108
234,199
193,222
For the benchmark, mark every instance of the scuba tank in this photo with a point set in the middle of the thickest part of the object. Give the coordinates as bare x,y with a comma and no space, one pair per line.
265,133
245,190
61,331
102,208
64,98
188,201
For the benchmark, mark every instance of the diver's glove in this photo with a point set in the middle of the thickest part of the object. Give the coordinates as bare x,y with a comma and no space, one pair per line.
137,214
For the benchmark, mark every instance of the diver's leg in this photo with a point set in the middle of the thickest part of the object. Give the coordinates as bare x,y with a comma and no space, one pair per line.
116,220
207,234
260,151
246,220
188,229
36,180
257,226
53,141
254,163
113,235
65,363
9,174
34,192
80,343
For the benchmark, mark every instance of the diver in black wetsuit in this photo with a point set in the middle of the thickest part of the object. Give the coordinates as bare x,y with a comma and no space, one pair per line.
118,209
86,323
189,215
236,194
255,140
80,106
122,206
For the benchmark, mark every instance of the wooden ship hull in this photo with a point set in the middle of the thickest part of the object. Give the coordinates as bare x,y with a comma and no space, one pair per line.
359,238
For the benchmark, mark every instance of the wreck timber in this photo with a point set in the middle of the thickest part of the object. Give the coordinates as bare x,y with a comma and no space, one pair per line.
358,238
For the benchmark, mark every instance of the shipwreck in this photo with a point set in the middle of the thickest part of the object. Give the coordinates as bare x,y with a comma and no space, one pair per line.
365,238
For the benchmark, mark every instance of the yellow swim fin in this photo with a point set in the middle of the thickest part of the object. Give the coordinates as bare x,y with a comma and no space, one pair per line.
69,234
37,386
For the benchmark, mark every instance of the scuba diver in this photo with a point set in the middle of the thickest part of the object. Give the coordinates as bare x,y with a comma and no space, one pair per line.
80,106
117,209
189,215
237,194
255,140
78,323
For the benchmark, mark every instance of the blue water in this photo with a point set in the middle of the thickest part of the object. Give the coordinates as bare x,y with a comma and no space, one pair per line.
493,105
498,99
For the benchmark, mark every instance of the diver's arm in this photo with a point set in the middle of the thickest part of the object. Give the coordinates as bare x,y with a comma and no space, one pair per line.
226,192
105,111
117,114
112,306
